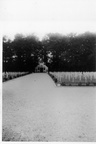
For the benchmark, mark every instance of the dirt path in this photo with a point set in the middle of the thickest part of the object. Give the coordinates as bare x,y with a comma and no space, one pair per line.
34,109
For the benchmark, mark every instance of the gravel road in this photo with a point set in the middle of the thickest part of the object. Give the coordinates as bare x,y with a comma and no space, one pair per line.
34,109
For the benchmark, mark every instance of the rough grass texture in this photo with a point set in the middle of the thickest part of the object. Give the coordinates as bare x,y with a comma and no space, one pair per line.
74,78
11,75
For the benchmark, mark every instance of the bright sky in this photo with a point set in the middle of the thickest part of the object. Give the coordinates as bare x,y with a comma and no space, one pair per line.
45,16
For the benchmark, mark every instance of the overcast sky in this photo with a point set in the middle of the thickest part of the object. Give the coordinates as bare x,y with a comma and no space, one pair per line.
45,16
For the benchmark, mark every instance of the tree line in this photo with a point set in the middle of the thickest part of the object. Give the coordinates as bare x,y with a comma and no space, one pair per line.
59,52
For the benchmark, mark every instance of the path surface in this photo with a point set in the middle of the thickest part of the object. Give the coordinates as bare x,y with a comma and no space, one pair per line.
34,109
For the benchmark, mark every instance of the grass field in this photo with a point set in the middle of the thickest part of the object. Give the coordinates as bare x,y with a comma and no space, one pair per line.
74,78
11,75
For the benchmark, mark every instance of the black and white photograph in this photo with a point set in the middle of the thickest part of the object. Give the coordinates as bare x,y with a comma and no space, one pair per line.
48,70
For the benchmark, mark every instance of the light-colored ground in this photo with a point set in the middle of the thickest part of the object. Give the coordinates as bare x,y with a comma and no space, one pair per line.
34,109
